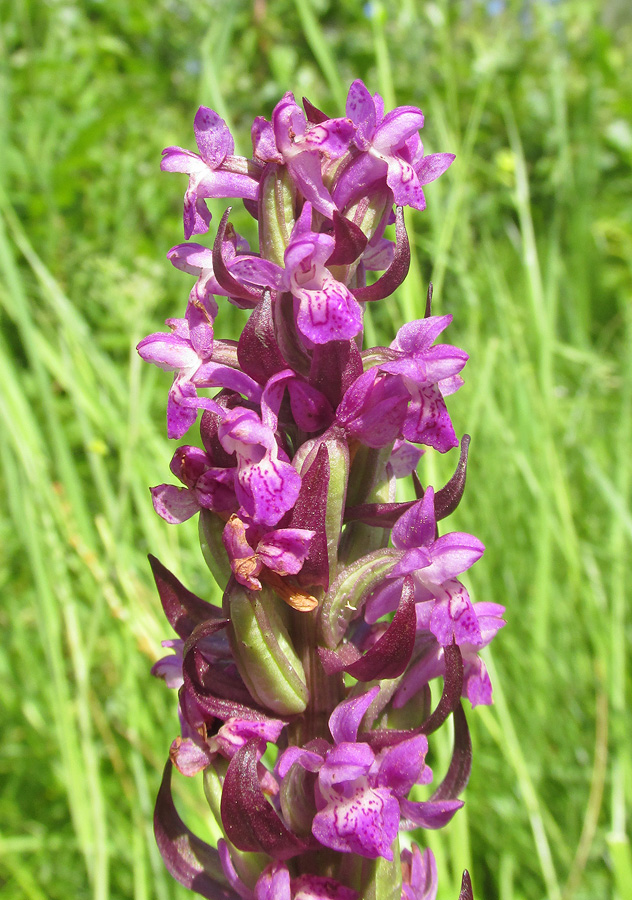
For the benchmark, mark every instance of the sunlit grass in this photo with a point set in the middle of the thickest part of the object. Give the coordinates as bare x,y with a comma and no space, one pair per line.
528,241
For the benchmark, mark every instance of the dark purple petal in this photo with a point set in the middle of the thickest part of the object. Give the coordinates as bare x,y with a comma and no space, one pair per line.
258,352
199,675
313,114
310,511
229,284
334,368
311,410
452,687
350,242
188,859
381,515
449,497
336,660
396,272
390,655
249,820
183,609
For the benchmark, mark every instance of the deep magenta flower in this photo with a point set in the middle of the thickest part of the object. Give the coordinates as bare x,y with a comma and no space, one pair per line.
251,548
389,149
361,795
339,604
214,172
434,564
326,308
300,146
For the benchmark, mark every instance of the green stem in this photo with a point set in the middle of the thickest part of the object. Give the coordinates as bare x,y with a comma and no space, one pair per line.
325,691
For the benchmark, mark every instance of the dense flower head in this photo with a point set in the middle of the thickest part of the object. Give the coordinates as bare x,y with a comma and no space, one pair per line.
339,604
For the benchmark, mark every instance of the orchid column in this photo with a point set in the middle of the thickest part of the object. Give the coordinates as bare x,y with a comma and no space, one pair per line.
305,700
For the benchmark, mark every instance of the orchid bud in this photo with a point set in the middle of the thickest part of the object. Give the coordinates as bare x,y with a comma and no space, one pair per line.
277,202
211,527
263,650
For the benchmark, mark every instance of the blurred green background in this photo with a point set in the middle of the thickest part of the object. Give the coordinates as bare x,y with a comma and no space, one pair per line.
528,240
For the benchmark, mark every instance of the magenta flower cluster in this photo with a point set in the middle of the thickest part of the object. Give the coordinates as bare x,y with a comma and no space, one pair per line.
305,700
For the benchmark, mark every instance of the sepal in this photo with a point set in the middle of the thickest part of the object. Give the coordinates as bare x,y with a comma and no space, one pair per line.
249,820
183,609
191,861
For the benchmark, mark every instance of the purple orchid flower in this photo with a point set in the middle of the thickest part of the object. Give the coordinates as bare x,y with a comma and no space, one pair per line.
326,308
389,150
251,548
428,660
188,350
206,486
214,172
300,145
360,795
433,563
419,871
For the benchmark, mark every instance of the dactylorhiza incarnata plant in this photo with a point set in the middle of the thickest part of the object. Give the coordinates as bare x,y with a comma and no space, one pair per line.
305,700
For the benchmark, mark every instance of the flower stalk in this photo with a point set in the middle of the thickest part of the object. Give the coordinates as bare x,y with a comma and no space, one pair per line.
305,698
